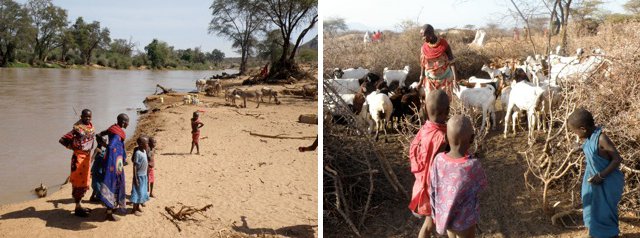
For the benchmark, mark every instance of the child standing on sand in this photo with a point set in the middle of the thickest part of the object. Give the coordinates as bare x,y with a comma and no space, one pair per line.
195,131
429,141
152,164
603,182
456,181
139,192
97,169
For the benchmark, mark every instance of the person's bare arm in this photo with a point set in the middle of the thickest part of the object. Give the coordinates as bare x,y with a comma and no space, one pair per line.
421,70
607,147
200,125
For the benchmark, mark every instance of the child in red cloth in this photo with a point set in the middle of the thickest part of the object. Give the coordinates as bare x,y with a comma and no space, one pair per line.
195,131
430,140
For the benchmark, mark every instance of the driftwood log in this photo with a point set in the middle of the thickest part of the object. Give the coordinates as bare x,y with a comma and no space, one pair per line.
164,90
308,119
280,136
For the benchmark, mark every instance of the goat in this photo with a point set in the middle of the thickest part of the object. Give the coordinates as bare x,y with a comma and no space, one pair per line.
581,71
492,72
482,98
526,97
378,107
358,73
345,85
404,101
393,75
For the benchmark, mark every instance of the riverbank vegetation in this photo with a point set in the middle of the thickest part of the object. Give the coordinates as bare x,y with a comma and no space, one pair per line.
39,34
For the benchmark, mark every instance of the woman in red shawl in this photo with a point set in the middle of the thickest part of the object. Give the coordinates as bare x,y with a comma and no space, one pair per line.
436,63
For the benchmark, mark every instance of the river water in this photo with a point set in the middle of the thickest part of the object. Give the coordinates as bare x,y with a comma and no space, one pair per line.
38,106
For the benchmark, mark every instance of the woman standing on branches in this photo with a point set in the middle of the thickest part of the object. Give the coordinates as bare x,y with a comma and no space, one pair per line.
436,63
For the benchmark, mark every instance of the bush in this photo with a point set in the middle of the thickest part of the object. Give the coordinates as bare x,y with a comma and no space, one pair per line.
102,61
308,55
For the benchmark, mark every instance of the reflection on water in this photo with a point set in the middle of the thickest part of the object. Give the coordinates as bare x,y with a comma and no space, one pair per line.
37,106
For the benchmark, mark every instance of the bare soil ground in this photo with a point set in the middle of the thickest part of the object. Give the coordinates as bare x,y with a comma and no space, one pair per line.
508,208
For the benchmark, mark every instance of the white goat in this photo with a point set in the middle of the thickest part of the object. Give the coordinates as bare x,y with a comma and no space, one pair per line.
200,84
395,75
580,71
526,97
378,106
492,72
476,80
345,85
347,98
479,98
350,73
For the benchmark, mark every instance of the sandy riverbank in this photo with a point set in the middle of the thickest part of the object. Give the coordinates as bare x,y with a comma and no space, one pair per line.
255,185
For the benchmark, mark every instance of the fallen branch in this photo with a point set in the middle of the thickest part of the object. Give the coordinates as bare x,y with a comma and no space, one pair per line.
248,114
280,136
186,211
172,221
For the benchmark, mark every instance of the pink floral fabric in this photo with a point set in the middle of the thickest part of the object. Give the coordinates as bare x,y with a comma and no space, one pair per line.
454,188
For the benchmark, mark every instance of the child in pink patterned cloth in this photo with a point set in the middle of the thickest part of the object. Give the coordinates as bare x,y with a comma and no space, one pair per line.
456,181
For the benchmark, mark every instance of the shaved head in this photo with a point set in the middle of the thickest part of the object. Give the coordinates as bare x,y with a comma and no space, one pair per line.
459,131
123,120
437,106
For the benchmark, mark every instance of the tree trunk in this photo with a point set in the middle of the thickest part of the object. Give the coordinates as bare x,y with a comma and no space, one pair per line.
243,60
563,44
551,30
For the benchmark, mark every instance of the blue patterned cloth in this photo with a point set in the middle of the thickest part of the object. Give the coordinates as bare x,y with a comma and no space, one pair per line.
600,202
112,190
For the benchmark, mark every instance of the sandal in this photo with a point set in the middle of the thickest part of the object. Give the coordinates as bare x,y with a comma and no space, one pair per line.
81,212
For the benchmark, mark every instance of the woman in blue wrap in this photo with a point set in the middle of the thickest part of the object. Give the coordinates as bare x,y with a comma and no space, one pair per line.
112,190
603,182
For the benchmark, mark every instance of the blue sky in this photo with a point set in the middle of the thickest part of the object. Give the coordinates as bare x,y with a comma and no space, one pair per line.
385,15
182,24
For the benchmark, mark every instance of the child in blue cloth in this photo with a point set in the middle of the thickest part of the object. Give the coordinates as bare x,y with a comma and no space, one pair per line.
97,169
603,182
139,191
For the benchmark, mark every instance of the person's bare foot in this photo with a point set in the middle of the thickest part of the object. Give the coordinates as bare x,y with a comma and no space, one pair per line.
151,195
143,205
137,213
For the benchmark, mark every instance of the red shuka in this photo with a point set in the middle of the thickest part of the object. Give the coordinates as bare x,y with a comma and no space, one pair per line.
424,147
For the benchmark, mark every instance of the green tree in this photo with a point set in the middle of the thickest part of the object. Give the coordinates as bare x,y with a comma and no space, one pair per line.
289,15
89,37
14,25
121,47
333,26
588,9
198,56
632,6
158,53
186,55
216,56
47,21
271,47
66,42
238,20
